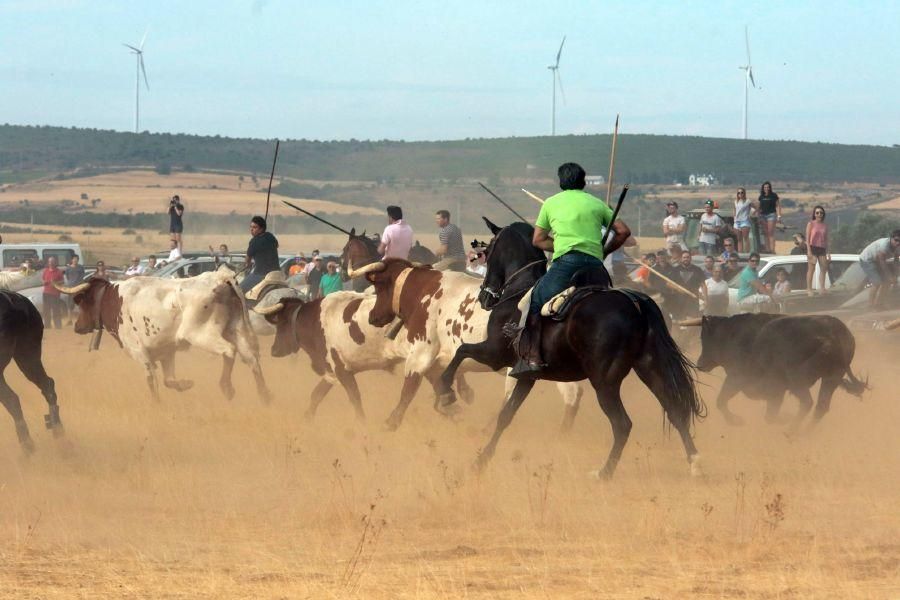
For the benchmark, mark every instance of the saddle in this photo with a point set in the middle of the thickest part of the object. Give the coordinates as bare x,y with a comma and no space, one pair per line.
584,282
272,281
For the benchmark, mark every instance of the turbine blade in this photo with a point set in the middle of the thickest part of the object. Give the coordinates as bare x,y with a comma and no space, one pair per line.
132,47
144,39
562,92
144,71
747,40
750,73
559,53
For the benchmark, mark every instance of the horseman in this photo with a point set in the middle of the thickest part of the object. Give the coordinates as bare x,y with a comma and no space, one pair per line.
262,251
570,225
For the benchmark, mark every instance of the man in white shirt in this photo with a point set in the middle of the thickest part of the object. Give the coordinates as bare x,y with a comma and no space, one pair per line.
174,253
397,238
135,268
673,228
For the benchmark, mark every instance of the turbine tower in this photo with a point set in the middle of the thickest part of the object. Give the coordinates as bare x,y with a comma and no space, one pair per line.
139,70
748,79
554,72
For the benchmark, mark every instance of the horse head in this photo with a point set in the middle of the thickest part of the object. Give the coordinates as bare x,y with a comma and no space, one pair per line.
509,255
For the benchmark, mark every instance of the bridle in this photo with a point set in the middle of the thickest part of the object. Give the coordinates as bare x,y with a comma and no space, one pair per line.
498,295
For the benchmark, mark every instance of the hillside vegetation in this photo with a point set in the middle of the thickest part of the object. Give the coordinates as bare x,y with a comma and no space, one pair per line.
31,152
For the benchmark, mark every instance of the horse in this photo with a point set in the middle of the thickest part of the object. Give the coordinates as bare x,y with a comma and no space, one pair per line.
605,336
361,250
21,337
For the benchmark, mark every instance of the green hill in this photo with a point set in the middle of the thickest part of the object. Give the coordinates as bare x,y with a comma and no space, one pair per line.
32,152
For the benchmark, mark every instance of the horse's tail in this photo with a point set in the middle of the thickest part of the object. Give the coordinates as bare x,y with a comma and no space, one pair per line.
676,369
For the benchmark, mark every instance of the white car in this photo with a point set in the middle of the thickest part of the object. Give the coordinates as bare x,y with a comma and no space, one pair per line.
796,266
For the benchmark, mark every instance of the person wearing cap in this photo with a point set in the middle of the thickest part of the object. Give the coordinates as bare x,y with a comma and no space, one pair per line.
331,281
673,228
262,253
711,225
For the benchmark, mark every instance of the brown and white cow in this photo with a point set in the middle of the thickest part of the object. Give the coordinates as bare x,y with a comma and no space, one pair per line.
336,335
440,311
151,318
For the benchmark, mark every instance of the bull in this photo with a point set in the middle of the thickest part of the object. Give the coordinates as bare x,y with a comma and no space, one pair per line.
21,336
766,355
151,318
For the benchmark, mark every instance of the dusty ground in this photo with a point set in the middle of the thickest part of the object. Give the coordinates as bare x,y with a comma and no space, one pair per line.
198,497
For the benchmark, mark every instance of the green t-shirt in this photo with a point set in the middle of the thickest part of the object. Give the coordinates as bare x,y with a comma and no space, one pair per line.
748,276
330,282
576,220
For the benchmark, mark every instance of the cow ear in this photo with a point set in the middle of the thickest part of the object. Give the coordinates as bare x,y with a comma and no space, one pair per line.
494,229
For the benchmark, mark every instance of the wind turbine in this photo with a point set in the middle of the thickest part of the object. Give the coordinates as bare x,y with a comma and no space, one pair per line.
554,71
748,79
139,69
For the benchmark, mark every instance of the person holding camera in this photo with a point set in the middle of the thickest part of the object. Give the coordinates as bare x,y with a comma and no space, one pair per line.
176,225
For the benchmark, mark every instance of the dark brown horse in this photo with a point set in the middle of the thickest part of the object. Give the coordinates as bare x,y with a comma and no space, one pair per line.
21,337
361,250
605,336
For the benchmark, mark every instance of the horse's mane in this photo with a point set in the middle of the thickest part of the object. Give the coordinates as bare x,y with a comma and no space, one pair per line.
526,232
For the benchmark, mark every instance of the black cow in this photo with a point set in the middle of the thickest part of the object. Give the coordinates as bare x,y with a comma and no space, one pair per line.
766,355
21,334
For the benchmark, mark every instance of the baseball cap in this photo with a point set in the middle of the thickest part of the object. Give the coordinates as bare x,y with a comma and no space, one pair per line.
672,203
710,203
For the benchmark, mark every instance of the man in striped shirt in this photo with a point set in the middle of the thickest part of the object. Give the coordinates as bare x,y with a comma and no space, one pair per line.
450,252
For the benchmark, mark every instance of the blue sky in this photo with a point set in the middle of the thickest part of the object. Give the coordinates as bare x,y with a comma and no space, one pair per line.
828,71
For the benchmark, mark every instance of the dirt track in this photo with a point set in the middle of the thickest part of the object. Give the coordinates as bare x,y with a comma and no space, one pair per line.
196,497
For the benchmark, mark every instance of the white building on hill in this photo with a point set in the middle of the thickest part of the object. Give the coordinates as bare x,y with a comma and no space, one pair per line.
701,180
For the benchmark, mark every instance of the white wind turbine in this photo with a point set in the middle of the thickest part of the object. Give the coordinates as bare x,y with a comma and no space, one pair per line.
139,66
748,79
554,71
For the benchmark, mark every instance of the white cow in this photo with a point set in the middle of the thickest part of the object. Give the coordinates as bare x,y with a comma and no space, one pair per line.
151,318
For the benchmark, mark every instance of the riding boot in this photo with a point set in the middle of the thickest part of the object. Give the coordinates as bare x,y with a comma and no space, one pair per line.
530,362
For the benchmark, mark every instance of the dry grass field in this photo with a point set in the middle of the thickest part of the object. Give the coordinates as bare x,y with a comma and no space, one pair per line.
195,497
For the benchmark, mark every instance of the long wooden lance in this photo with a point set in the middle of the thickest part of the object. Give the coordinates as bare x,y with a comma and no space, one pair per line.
614,216
533,196
317,218
671,283
498,199
612,161
271,177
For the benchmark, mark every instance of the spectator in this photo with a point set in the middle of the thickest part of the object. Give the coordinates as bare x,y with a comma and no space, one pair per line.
673,228
176,225
135,268
28,267
312,261
752,294
72,276
477,265
874,262
728,243
642,273
799,245
782,287
817,250
709,264
710,226
222,252
716,297
298,267
174,252
451,252
397,238
691,278
769,209
314,277
731,267
100,273
151,264
742,220
331,280
53,304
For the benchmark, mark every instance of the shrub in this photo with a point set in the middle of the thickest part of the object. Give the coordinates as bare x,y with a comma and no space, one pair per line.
64,238
128,232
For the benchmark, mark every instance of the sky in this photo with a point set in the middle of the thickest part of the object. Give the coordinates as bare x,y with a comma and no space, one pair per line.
422,70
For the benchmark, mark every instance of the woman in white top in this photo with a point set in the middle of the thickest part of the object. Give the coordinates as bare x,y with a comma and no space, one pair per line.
742,220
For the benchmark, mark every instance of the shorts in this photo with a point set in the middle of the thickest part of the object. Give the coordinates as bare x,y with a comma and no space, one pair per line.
742,224
872,272
817,251
176,228
770,217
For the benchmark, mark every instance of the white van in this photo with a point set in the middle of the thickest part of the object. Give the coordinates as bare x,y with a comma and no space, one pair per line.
12,256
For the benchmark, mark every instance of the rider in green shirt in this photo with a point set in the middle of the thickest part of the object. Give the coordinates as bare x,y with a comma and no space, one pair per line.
570,225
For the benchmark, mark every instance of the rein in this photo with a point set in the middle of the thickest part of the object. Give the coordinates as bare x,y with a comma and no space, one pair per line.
499,295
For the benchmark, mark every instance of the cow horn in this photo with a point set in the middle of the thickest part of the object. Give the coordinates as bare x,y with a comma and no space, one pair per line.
375,267
268,310
892,324
695,322
73,290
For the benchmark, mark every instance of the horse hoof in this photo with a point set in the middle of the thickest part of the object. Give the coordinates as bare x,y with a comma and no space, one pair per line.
450,411
27,447
600,475
446,399
696,469
468,395
391,425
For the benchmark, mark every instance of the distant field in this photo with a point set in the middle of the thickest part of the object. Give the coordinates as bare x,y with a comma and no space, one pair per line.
893,204
147,191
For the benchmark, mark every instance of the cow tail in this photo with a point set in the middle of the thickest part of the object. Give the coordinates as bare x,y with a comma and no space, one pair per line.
853,385
676,369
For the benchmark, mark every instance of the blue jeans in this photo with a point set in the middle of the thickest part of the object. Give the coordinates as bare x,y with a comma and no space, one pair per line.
559,277
250,280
